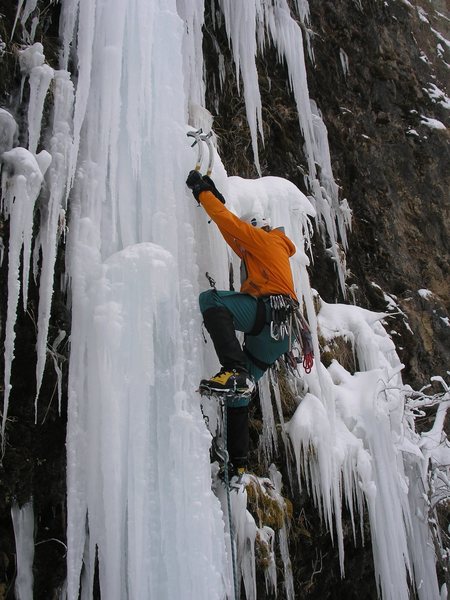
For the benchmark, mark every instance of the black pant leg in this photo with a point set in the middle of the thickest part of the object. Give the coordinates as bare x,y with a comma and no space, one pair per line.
237,435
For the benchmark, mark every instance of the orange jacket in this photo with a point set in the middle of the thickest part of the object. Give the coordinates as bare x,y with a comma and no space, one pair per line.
265,253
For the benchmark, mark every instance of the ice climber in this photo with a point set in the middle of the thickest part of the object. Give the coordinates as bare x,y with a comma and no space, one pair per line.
265,272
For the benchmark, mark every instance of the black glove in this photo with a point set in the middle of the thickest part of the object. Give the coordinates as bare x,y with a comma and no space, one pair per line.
194,179
214,190
198,184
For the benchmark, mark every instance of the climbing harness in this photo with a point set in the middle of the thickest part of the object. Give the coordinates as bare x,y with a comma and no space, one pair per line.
285,320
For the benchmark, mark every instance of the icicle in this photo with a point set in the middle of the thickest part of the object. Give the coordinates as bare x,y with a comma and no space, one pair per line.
23,523
57,368
266,538
60,145
40,78
357,458
135,362
85,19
276,479
245,530
288,39
32,63
22,177
67,23
303,10
8,131
244,22
19,8
241,20
268,441
344,62
284,436
29,7
29,58
192,13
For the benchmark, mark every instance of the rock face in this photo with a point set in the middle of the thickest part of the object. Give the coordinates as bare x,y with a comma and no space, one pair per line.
376,77
392,166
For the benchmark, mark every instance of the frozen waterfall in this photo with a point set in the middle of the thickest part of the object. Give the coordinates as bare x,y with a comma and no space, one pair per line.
139,495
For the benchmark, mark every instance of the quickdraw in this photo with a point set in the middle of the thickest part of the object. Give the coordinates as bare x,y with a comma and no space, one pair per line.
287,320
281,308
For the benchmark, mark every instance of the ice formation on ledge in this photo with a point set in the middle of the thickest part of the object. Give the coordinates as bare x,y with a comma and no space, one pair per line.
22,178
363,453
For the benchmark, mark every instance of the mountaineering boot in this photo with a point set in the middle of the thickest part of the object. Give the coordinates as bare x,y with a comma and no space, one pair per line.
233,377
235,474
238,383
237,479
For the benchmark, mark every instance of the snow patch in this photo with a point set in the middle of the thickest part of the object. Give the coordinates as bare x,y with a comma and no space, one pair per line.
424,293
423,16
437,95
432,123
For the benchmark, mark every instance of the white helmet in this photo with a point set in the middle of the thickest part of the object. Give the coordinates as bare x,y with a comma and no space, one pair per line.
257,220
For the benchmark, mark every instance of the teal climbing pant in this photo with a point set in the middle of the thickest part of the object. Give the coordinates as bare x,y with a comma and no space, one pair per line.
243,308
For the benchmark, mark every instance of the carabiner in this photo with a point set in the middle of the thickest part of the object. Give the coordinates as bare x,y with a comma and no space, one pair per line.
274,331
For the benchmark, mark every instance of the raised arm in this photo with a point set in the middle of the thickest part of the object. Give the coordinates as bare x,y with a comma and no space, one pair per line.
234,230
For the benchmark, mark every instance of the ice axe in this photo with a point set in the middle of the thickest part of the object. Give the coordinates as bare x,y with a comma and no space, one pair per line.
197,140
206,137
200,137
